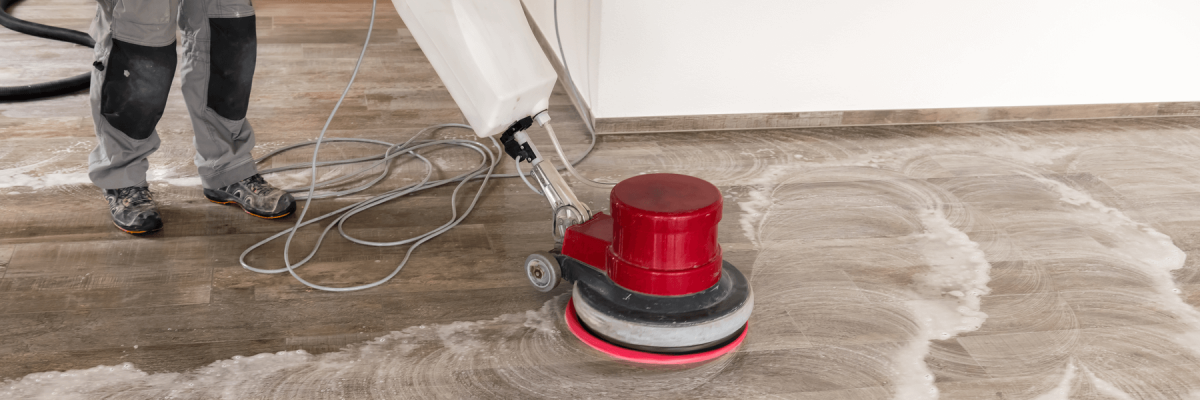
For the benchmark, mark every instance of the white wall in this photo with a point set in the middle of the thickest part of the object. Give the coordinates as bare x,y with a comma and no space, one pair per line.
579,21
696,57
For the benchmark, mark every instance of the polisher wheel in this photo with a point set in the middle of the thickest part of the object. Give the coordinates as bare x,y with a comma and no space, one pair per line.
543,273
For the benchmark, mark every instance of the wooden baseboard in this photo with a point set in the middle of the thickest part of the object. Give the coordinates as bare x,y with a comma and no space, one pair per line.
892,117
857,117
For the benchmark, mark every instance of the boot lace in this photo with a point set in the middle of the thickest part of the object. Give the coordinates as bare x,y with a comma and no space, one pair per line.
257,184
134,195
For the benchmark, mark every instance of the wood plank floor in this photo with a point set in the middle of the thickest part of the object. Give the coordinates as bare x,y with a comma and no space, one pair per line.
1047,260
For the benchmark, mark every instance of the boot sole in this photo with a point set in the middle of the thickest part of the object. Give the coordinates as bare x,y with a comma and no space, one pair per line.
137,232
224,202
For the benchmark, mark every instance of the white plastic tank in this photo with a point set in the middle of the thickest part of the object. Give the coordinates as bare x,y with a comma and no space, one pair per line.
486,55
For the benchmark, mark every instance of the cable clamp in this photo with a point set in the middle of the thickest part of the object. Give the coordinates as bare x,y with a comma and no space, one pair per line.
518,149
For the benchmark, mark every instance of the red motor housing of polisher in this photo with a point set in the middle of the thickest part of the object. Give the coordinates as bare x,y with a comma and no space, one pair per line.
650,283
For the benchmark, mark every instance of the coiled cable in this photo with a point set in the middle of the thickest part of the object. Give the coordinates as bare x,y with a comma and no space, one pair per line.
484,171
45,89
587,118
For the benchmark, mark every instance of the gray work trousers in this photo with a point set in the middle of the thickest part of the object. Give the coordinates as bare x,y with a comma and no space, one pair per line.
135,62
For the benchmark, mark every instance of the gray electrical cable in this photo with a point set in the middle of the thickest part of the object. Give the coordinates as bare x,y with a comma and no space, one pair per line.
349,211
570,83
558,148
484,171
586,115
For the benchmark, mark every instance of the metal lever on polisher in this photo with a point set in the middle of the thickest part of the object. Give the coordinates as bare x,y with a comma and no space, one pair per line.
567,208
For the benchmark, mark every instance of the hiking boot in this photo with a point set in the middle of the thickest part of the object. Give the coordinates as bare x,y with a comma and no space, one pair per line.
133,210
256,197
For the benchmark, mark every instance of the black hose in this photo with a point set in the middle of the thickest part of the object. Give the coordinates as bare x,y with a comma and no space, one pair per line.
45,89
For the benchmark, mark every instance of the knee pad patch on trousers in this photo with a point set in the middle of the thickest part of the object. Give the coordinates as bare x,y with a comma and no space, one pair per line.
233,51
137,81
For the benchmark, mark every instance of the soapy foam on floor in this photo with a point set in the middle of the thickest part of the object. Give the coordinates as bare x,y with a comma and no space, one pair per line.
20,176
1063,390
1137,243
758,202
39,182
944,301
1142,245
1153,252
521,355
1106,388
271,375
303,177
894,159
43,181
171,177
32,176
465,350
949,293
175,172
1071,376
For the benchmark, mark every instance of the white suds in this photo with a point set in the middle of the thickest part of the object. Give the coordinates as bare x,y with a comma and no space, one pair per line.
755,208
418,362
894,159
948,299
1141,245
42,181
20,176
10,178
1106,388
1032,156
1063,390
753,211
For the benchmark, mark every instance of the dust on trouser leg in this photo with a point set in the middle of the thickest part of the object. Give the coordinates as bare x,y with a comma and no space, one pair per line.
137,80
233,51
220,48
134,62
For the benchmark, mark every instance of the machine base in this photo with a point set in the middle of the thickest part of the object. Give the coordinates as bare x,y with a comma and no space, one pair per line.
642,357
659,324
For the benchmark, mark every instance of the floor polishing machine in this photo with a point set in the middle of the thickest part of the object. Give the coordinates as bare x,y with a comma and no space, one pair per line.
650,284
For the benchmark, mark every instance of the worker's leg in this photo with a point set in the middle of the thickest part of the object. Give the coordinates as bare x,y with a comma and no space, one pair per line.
220,47
134,64
219,51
